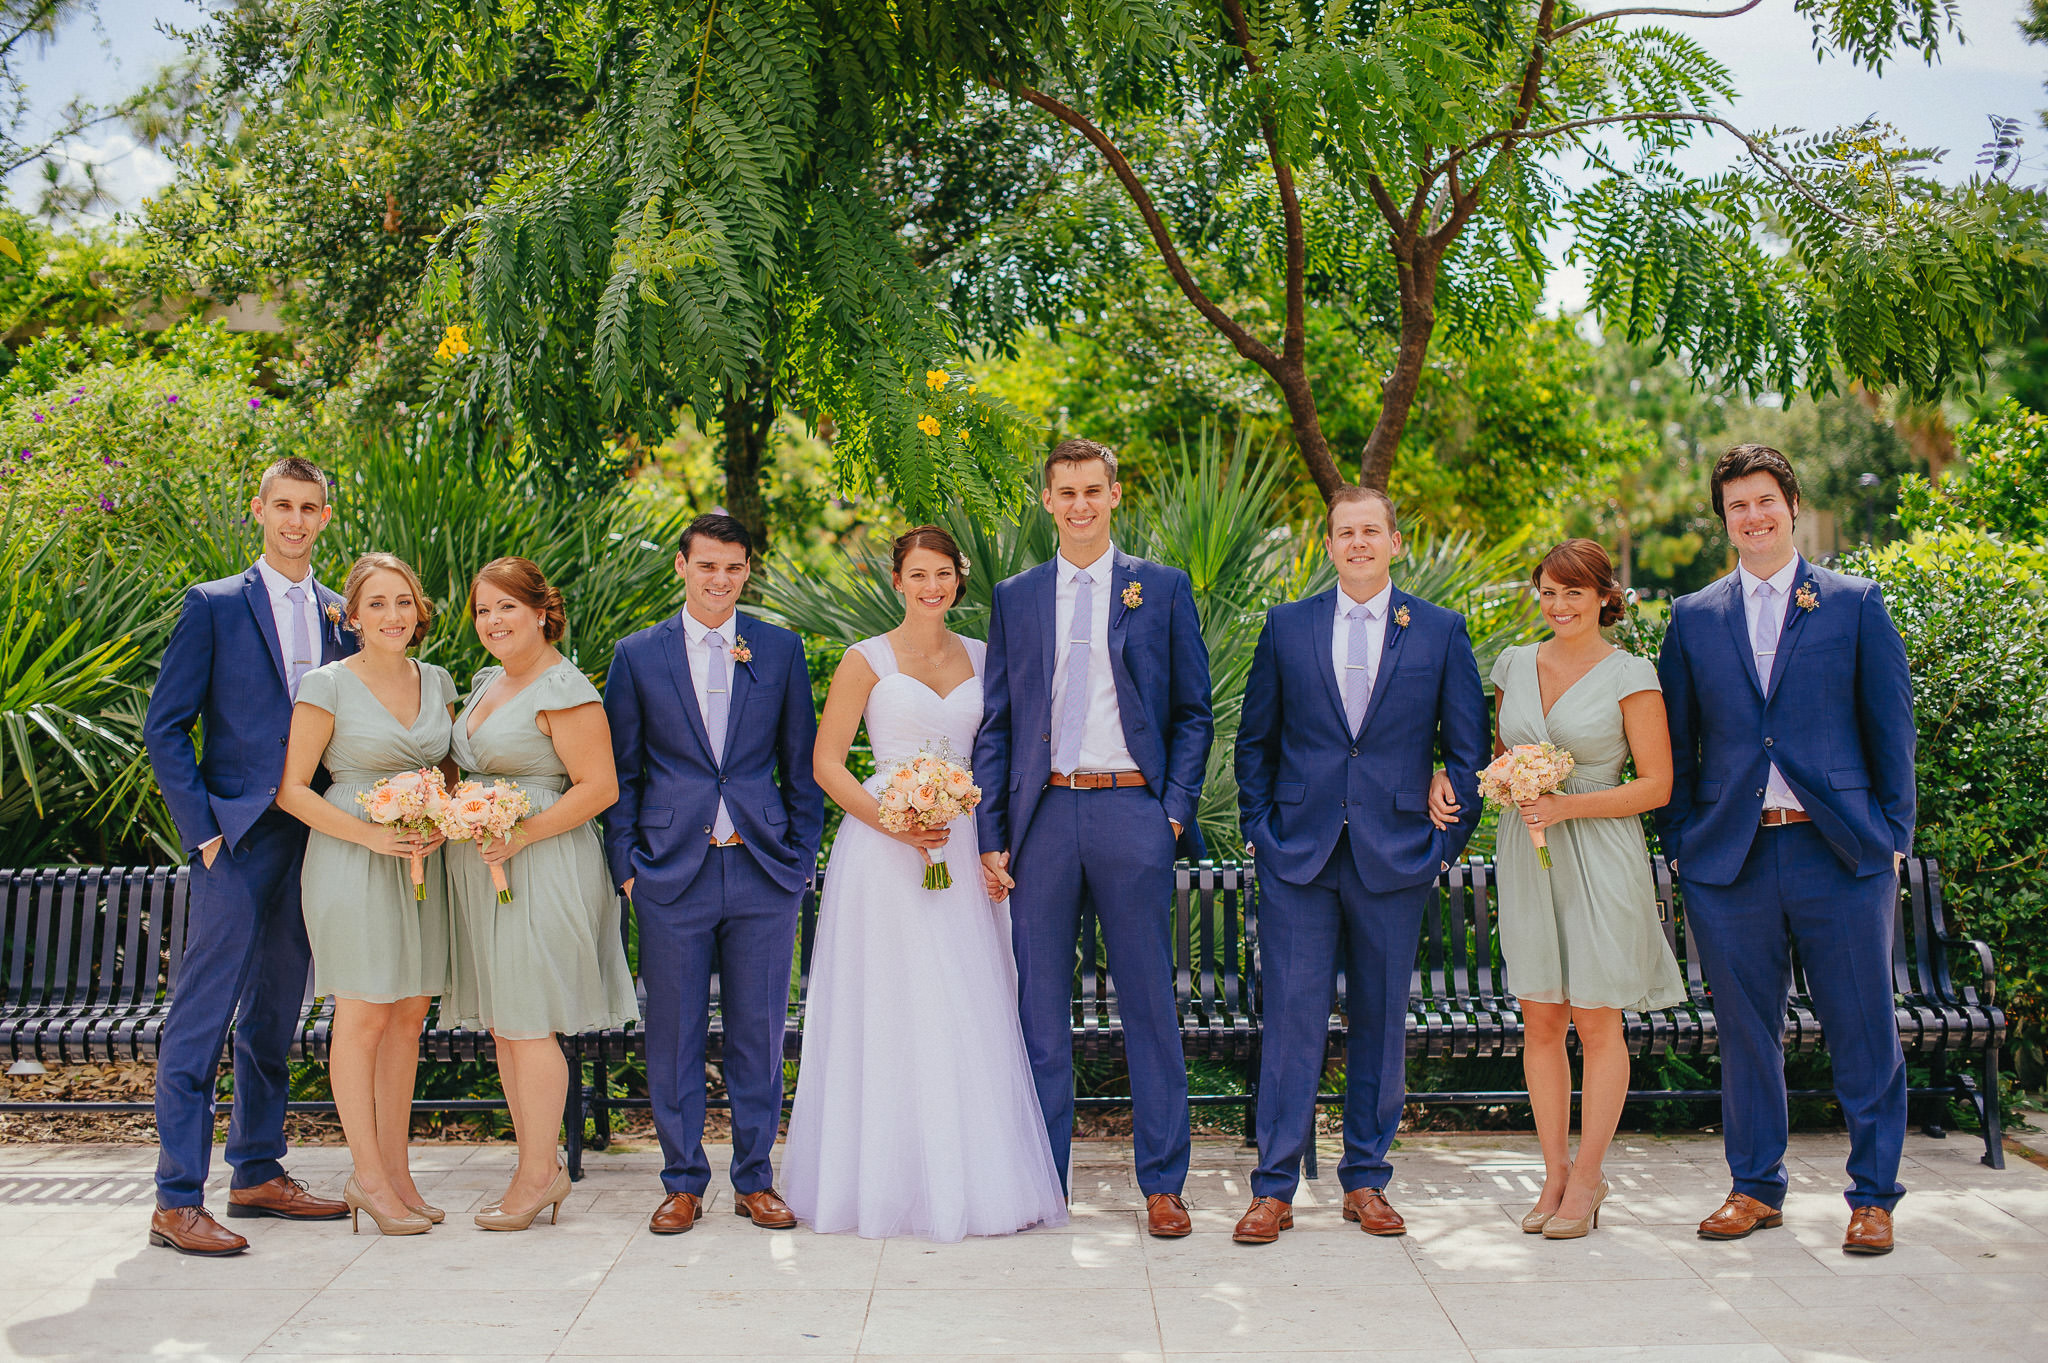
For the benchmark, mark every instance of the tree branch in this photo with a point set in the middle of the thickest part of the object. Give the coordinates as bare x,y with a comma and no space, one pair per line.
1247,344
1295,339
1390,210
1668,13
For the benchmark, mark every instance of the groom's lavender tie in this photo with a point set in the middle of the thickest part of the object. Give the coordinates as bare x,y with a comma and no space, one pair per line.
1357,668
300,660
718,696
1770,619
1074,697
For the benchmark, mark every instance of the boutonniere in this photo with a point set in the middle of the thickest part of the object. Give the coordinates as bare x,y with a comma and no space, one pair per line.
739,650
1806,598
333,614
1134,595
1401,616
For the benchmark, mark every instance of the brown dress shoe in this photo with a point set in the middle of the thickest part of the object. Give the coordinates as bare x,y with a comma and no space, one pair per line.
1374,1215
1738,1216
285,1197
192,1230
1166,1216
1870,1232
764,1209
676,1214
1263,1221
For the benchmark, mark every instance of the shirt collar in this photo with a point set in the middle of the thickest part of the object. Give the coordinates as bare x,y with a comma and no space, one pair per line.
1781,581
695,629
277,584
1100,571
1374,609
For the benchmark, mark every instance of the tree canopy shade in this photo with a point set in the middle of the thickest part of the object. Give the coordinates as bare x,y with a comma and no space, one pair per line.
1405,159
711,231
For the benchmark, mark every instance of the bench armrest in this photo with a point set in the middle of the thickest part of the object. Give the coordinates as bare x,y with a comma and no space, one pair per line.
1970,945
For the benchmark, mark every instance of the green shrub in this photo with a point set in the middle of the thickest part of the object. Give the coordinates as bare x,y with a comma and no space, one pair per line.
2000,484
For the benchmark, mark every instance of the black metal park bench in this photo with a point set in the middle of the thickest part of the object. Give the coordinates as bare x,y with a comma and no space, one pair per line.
89,958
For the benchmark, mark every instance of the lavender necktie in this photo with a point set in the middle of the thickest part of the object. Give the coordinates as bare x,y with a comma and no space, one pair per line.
300,660
1074,695
1357,668
718,695
1770,619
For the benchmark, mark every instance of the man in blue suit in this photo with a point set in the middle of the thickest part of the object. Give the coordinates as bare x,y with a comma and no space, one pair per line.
1791,808
233,667
714,838
1354,696
1094,741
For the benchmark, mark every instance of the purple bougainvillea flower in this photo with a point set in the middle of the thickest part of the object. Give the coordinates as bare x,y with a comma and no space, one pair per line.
106,502
108,460
170,397
39,417
74,400
255,403
25,457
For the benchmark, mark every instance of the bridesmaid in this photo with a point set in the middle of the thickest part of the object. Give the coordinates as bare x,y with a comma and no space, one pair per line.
379,950
552,960
1582,940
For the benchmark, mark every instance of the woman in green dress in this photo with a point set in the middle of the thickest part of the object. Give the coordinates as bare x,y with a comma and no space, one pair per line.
552,959
380,947
1582,939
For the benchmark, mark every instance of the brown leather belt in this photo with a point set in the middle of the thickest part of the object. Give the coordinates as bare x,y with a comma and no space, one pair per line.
1096,780
1778,818
733,841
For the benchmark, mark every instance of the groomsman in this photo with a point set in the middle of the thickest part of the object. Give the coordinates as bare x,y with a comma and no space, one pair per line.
1094,740
714,838
1792,740
1354,695
233,666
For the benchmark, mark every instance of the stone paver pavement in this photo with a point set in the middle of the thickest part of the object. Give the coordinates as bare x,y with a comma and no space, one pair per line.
1969,1281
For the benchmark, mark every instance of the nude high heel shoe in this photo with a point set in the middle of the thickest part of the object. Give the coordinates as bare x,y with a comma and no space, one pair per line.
1533,1221
1575,1227
433,1214
497,1218
412,1223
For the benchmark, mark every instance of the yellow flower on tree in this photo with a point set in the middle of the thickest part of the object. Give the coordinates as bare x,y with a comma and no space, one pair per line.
935,379
928,423
453,345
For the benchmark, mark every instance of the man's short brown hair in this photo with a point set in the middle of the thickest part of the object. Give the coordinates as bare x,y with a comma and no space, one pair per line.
1352,492
1744,460
298,470
1076,450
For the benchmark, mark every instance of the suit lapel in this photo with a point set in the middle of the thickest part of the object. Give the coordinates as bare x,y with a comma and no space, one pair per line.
740,684
1322,625
1738,626
1121,569
1390,652
1788,629
677,646
258,597
1046,591
330,632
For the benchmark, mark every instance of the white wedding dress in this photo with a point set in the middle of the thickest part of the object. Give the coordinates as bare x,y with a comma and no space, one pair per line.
915,1112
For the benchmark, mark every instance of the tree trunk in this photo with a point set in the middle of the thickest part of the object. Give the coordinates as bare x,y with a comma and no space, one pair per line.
748,420
1397,394
1307,424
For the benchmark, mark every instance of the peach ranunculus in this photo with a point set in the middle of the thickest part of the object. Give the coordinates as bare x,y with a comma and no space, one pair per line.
924,796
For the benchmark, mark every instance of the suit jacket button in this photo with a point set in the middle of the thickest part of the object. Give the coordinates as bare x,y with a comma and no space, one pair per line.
1342,804
1354,752
707,828
1767,743
1759,792
1045,738
273,790
721,780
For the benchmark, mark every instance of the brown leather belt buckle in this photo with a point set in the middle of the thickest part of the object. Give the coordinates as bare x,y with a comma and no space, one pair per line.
1778,818
1096,780
733,841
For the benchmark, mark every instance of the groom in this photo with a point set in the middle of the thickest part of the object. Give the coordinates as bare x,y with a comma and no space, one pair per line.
1792,804
1094,738
233,667
1354,695
714,838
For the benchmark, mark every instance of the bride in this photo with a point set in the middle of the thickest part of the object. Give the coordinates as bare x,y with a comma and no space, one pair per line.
915,1112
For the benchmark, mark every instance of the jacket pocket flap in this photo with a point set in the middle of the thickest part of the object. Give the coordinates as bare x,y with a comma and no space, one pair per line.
775,812
1706,792
1849,778
1411,801
654,816
1289,793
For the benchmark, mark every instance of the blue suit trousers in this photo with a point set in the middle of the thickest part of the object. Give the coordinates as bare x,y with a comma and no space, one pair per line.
1299,931
1114,849
245,964
1794,891
735,914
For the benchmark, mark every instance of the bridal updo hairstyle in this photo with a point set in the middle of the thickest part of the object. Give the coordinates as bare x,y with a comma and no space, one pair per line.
368,566
1583,563
939,542
522,580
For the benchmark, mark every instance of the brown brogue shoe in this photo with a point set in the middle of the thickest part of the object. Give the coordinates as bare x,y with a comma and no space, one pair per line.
1870,1232
192,1230
1263,1221
676,1214
284,1197
1373,1213
1166,1216
764,1209
1738,1216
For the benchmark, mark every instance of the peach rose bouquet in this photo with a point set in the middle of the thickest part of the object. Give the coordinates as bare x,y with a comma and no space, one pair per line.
479,813
1522,773
929,791
409,801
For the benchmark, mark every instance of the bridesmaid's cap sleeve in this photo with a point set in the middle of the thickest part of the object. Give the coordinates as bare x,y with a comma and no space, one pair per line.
320,688
1636,673
564,687
1503,664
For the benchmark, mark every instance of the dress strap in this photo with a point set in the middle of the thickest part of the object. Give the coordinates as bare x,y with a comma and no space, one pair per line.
881,655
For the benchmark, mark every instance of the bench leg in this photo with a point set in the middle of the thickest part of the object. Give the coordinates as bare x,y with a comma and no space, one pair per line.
1251,1100
572,1111
1994,1122
600,1105
1936,1124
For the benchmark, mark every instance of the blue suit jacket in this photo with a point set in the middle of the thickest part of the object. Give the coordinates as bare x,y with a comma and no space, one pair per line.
658,833
1161,668
1838,723
1302,773
224,669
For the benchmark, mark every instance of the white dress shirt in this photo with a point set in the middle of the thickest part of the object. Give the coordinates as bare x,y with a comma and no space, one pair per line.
695,632
1777,793
277,584
1102,732
1375,635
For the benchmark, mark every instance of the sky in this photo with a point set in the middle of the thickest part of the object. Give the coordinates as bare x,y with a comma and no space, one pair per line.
1769,52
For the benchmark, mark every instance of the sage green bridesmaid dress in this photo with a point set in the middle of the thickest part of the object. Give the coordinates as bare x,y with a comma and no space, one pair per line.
372,939
1585,931
552,960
